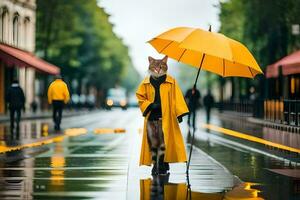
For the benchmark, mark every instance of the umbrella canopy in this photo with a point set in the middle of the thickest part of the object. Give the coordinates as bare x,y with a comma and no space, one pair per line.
210,51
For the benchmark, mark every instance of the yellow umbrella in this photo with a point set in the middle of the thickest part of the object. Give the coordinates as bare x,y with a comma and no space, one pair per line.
210,51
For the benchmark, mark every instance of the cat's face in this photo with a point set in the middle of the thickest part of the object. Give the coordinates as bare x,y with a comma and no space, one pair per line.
157,67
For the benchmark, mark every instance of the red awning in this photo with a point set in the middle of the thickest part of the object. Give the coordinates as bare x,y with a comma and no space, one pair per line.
290,65
14,56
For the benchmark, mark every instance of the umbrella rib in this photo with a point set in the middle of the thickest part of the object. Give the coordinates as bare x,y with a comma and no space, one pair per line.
250,71
182,55
165,47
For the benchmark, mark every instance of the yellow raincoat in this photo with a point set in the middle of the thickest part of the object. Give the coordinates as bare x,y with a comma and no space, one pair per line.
58,90
173,105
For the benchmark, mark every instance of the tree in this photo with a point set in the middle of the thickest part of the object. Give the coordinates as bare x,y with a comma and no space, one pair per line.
77,36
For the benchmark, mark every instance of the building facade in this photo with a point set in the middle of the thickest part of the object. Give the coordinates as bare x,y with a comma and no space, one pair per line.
17,29
17,46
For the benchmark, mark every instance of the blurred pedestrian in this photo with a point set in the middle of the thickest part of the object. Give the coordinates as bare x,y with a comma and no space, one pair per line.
58,95
208,102
33,106
193,97
15,99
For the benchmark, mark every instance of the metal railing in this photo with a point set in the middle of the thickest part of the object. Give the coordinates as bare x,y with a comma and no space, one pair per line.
282,111
273,110
245,106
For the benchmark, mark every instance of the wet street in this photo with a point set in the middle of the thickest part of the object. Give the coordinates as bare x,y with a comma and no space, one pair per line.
96,157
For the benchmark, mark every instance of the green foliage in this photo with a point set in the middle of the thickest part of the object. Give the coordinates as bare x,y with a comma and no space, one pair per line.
77,36
264,26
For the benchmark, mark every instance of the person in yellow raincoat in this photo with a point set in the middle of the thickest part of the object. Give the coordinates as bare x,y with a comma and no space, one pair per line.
163,106
58,95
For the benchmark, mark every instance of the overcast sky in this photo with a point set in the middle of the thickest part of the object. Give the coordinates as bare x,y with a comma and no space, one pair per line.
137,21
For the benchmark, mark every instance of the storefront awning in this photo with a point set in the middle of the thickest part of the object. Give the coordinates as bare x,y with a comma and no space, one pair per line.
14,56
289,65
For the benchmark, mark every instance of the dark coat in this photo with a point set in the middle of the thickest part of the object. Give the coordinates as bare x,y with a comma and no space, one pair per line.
15,97
193,102
208,101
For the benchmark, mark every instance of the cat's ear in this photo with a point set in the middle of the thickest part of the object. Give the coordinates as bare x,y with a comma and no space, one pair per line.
165,59
150,59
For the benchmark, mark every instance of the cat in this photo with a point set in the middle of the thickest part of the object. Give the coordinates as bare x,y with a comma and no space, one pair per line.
157,67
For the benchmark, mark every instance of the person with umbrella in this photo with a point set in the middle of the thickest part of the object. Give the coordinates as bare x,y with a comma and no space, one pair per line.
163,106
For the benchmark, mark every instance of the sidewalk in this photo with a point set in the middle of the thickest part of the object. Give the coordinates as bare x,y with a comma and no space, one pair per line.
45,114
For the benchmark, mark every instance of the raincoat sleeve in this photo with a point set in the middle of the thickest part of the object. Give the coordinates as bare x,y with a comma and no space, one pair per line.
143,101
181,108
49,94
66,94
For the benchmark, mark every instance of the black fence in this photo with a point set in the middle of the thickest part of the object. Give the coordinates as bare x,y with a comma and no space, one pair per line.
245,107
291,112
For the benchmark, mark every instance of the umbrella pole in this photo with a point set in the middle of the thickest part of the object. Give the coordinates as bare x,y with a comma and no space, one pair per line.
194,127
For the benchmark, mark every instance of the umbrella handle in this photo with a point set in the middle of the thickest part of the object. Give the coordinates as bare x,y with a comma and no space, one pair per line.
194,127
198,73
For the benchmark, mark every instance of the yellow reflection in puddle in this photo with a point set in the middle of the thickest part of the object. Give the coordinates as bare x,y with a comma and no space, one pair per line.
109,130
156,189
243,191
45,129
57,163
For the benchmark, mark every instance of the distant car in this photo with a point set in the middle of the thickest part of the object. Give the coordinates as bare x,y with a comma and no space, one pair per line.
116,97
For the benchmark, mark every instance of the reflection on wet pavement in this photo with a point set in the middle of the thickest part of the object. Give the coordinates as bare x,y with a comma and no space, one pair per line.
159,188
281,137
33,135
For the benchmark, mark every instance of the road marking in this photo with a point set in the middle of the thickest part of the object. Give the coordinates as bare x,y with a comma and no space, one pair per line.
249,137
75,131
68,133
109,130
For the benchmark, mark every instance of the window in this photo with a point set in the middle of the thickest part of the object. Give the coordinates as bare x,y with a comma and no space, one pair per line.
26,37
4,25
16,29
